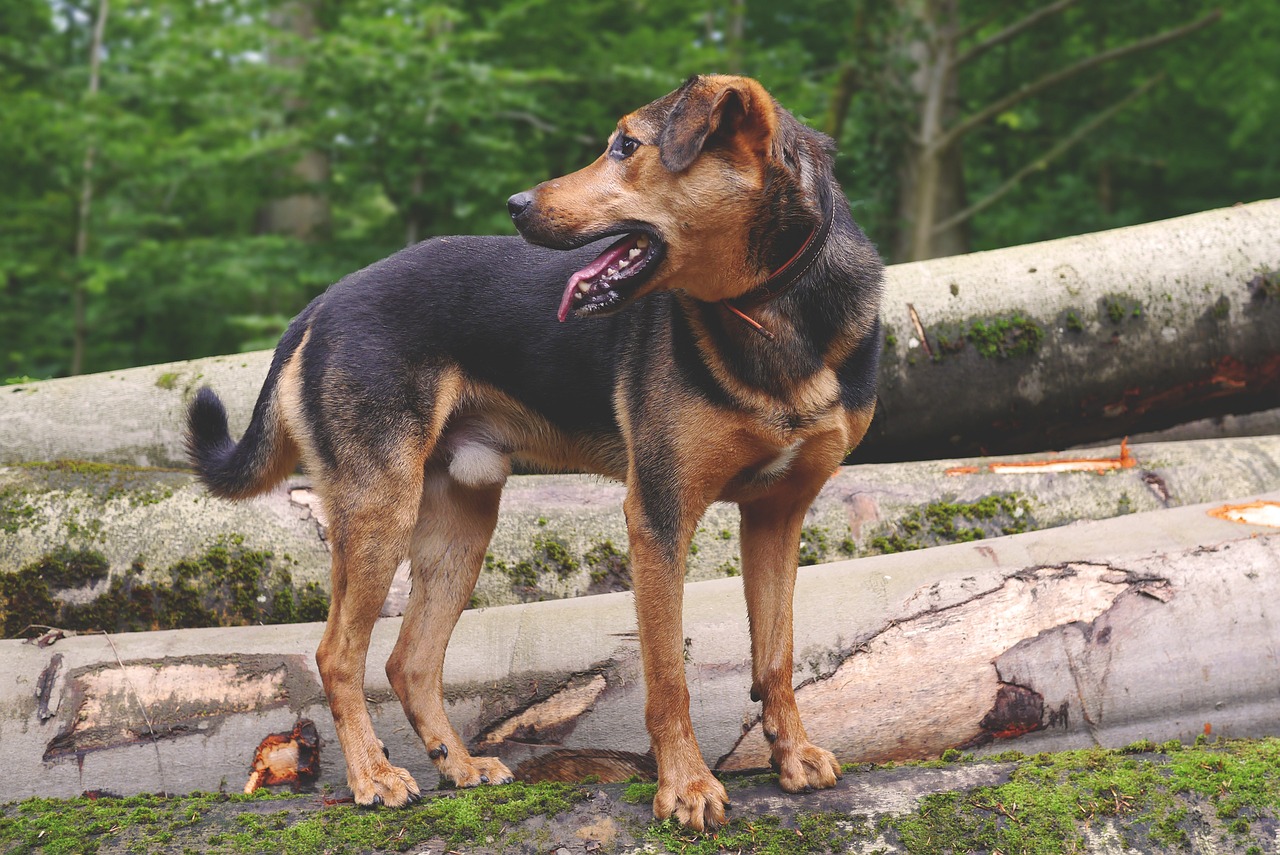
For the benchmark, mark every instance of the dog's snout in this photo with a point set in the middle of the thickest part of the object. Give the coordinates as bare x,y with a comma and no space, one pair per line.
519,204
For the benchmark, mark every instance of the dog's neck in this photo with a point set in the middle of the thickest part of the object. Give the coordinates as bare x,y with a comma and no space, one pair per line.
784,277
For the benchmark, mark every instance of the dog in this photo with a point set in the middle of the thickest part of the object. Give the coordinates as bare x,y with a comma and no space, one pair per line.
723,345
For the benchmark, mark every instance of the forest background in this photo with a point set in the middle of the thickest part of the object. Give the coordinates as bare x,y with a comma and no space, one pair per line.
179,177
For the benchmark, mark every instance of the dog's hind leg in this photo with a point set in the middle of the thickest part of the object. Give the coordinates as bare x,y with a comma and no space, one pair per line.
370,526
770,539
449,543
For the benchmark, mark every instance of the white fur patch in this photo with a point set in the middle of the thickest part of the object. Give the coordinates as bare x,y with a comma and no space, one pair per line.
778,467
477,465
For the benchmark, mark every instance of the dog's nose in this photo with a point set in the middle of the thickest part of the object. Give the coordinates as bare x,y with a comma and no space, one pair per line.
519,203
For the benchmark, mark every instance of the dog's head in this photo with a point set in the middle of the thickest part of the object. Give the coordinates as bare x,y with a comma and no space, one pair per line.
706,188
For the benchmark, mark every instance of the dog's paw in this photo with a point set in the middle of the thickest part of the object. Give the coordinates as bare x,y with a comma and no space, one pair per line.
805,766
466,771
697,801
385,785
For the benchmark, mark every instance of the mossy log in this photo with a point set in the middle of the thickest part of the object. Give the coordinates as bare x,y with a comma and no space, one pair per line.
1029,348
167,555
1154,626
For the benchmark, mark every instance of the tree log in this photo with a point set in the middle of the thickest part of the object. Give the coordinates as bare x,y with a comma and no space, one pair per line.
557,536
1076,340
1049,345
1152,626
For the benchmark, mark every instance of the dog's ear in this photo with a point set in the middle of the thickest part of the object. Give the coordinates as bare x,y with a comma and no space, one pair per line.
711,109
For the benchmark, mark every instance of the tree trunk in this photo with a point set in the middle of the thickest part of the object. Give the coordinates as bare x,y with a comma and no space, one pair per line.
80,332
305,214
931,182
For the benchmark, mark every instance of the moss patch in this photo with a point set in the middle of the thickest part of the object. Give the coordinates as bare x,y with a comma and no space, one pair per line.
813,545
1117,308
1050,800
609,568
228,585
1005,338
16,511
549,555
105,482
266,824
955,522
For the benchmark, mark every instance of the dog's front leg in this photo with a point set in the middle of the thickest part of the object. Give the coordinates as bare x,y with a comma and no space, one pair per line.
770,537
660,524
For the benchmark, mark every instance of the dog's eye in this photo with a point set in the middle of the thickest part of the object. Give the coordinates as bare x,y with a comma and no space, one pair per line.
625,146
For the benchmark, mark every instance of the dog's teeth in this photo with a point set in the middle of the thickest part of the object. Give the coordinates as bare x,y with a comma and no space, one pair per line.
612,271
584,286
623,264
642,241
634,253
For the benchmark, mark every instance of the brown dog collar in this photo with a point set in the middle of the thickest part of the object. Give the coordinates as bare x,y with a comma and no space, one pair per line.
782,279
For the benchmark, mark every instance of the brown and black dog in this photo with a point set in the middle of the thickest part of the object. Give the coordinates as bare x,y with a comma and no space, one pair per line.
745,374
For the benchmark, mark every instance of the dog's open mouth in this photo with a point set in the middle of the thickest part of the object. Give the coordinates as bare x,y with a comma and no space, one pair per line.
612,279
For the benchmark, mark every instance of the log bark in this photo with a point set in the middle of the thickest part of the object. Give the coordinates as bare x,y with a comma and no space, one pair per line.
1048,345
1153,626
1076,340
565,536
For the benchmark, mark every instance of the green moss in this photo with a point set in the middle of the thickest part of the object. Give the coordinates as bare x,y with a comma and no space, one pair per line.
106,482
640,793
1050,799
228,585
607,565
944,522
1115,311
167,380
1221,308
813,545
1116,307
549,555
16,513
237,824
28,597
729,568
1005,338
1073,322
1046,806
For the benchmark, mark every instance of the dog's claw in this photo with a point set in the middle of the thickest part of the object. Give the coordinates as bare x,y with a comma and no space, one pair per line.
441,753
484,779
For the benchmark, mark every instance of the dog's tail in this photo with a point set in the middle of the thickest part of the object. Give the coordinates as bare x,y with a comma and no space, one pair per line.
266,453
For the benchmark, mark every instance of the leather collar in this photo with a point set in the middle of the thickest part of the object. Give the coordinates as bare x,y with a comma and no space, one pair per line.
782,279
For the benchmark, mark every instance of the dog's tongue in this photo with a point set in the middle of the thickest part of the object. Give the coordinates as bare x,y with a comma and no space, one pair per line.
609,258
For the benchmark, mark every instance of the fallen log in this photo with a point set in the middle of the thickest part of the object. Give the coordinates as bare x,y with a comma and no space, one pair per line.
1152,626
197,561
1029,348
1070,341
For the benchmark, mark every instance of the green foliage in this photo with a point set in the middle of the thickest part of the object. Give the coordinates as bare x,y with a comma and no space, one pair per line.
425,117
